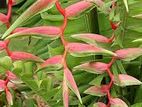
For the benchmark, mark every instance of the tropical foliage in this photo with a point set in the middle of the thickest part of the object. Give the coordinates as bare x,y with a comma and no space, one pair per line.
71,53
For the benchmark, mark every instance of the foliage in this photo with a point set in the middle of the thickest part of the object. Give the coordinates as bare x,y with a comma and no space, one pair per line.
71,53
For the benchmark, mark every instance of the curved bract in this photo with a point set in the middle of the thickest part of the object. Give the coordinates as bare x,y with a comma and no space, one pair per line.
38,6
43,31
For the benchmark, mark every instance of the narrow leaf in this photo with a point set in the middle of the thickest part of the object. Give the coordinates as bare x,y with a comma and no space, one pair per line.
81,50
45,31
93,67
77,8
71,83
116,102
126,5
99,104
38,6
129,53
25,56
97,90
126,80
138,40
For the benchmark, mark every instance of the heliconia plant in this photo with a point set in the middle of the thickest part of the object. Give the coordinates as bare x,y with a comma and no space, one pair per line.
54,81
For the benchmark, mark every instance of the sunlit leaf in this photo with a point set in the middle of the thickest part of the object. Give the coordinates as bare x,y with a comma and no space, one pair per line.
138,40
126,5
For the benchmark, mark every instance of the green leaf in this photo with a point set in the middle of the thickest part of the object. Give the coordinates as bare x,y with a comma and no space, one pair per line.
137,105
97,81
126,5
6,62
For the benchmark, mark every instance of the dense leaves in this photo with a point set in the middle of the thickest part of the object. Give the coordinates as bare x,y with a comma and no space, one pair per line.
100,54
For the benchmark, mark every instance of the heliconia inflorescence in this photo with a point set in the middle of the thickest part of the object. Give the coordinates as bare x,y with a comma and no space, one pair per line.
89,47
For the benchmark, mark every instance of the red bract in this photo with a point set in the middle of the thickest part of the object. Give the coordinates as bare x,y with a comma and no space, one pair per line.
77,8
3,18
25,56
116,102
12,78
2,45
126,80
129,53
46,31
2,85
10,75
9,97
89,37
93,67
19,29
71,83
53,60
80,47
98,90
86,49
